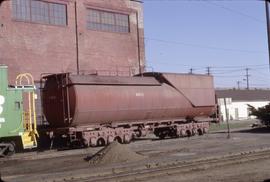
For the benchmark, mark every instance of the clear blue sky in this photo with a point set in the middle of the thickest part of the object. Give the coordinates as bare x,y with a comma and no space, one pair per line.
228,36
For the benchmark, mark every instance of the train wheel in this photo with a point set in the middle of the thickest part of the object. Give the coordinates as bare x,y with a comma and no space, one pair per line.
101,142
118,139
194,132
110,139
10,149
93,142
200,132
205,130
183,133
139,133
127,139
189,133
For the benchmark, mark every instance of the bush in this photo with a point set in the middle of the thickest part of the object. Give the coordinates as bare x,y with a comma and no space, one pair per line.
262,113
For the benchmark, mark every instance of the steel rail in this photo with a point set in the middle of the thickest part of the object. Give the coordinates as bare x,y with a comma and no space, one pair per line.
178,167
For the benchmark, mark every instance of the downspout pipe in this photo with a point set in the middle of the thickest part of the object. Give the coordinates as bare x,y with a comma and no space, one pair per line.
138,42
77,39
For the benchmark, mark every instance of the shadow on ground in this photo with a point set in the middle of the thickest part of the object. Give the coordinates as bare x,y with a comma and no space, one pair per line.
255,130
262,130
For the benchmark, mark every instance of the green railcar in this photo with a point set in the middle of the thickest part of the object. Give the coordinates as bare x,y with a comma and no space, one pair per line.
17,113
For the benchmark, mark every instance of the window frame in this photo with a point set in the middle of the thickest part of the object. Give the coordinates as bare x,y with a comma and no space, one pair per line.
51,17
116,25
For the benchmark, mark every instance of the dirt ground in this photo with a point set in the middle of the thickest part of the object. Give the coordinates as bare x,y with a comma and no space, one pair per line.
257,171
70,164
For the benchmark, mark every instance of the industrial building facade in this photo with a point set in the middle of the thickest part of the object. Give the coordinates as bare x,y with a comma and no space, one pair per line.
80,36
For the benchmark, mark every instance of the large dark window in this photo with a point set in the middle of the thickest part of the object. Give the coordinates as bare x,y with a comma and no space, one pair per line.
40,12
107,21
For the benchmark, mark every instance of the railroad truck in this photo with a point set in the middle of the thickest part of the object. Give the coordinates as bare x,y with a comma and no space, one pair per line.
17,113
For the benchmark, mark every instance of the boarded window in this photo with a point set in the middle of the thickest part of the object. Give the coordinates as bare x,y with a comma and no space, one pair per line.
107,21
40,12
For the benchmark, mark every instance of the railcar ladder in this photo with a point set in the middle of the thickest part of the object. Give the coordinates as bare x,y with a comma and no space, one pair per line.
30,134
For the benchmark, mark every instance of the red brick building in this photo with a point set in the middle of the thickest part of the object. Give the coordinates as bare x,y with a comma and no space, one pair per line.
86,36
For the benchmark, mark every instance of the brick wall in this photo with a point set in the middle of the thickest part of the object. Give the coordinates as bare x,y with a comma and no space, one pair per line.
38,48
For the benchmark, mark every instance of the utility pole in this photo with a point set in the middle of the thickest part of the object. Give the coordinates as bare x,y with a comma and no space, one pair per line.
138,42
238,85
191,71
247,77
208,70
227,118
268,27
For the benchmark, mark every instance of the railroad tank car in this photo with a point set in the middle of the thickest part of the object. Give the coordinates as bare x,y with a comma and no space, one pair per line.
78,100
17,118
99,109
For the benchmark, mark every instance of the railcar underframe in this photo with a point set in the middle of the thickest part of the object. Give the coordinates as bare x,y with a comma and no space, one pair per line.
92,136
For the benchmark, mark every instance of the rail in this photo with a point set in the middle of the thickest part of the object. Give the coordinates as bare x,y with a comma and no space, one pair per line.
153,170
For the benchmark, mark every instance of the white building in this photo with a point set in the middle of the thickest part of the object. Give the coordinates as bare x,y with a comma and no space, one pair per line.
237,102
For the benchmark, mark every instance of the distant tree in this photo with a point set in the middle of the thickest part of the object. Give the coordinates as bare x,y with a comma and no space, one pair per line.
262,113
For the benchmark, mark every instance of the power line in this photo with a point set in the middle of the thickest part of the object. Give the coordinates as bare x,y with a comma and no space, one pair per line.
229,71
226,69
203,46
230,76
235,12
241,66
175,64
261,74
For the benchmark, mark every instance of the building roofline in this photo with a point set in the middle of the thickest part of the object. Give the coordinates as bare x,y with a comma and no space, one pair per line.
244,95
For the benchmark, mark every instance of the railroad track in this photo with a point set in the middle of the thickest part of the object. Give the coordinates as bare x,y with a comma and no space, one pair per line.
34,155
153,170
